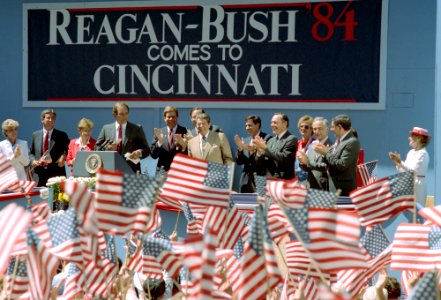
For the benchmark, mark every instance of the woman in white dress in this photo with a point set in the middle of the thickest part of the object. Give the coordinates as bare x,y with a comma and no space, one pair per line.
17,151
417,160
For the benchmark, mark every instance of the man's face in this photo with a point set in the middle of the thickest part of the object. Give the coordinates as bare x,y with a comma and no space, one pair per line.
320,130
122,115
202,126
337,130
171,119
251,128
193,116
278,125
48,121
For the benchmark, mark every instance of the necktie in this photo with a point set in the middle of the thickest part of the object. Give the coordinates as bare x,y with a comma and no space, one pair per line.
119,146
170,139
336,144
203,143
46,142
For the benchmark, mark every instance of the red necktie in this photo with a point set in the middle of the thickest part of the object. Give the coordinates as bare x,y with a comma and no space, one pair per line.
119,146
170,138
46,142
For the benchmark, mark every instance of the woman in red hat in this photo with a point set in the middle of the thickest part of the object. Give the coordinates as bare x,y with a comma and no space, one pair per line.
417,160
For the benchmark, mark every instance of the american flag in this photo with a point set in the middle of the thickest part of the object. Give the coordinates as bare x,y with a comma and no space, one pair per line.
198,181
260,271
325,293
14,221
209,260
42,266
426,288
124,202
84,203
416,247
331,237
65,236
8,175
215,218
279,226
162,251
73,286
384,198
260,182
367,172
17,286
234,227
378,249
40,211
194,225
432,214
99,276
288,194
310,289
289,288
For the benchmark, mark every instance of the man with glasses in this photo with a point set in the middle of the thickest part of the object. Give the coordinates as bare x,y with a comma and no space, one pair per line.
126,138
312,161
342,157
277,157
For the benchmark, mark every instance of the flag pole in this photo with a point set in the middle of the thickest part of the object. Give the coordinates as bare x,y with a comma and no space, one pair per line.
232,176
414,198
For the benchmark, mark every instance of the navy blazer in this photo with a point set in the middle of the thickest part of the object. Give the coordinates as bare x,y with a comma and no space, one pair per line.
164,153
279,157
248,160
342,164
134,139
58,146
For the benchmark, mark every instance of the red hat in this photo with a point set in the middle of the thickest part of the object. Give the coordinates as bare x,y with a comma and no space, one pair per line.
420,131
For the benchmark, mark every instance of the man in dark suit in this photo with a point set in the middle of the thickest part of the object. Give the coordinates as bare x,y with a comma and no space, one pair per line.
312,161
168,140
342,157
48,149
246,153
193,113
126,138
277,157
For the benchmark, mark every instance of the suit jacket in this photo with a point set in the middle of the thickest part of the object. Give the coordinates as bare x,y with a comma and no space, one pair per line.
279,157
342,164
217,149
317,168
164,153
74,147
248,160
134,139
58,146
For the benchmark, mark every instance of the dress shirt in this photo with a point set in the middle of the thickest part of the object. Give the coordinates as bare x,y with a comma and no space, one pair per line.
123,132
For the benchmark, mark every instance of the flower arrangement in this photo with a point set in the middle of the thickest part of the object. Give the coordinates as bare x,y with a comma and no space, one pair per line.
58,192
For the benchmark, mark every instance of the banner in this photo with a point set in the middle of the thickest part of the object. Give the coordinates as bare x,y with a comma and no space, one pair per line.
214,54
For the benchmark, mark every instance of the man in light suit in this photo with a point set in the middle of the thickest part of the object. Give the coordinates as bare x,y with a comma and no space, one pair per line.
48,149
212,146
126,138
246,153
193,113
312,161
168,140
342,157
277,157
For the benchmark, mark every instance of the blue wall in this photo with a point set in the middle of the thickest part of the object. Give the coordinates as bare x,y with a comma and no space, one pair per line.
410,89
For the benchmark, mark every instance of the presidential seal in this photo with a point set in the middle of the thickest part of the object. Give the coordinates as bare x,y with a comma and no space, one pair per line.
93,163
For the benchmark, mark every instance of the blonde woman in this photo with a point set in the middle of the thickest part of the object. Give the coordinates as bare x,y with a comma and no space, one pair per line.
85,142
17,151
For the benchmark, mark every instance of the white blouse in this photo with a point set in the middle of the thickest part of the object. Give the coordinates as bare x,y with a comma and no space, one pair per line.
20,162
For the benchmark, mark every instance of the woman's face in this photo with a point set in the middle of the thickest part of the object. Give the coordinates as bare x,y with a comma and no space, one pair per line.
305,130
11,134
85,132
415,141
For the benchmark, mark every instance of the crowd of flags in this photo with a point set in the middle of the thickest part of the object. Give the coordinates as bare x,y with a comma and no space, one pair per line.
294,240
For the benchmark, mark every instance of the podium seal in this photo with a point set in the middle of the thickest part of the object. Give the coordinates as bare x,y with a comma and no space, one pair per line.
93,163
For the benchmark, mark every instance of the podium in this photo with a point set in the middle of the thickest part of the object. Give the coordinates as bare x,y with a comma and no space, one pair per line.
88,162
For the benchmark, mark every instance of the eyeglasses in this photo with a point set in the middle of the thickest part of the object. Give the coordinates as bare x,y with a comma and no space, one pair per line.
304,126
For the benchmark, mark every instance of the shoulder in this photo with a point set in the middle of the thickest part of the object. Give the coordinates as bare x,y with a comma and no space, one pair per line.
181,129
59,132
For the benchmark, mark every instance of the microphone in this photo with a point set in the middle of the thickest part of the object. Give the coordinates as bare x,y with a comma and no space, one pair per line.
105,144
